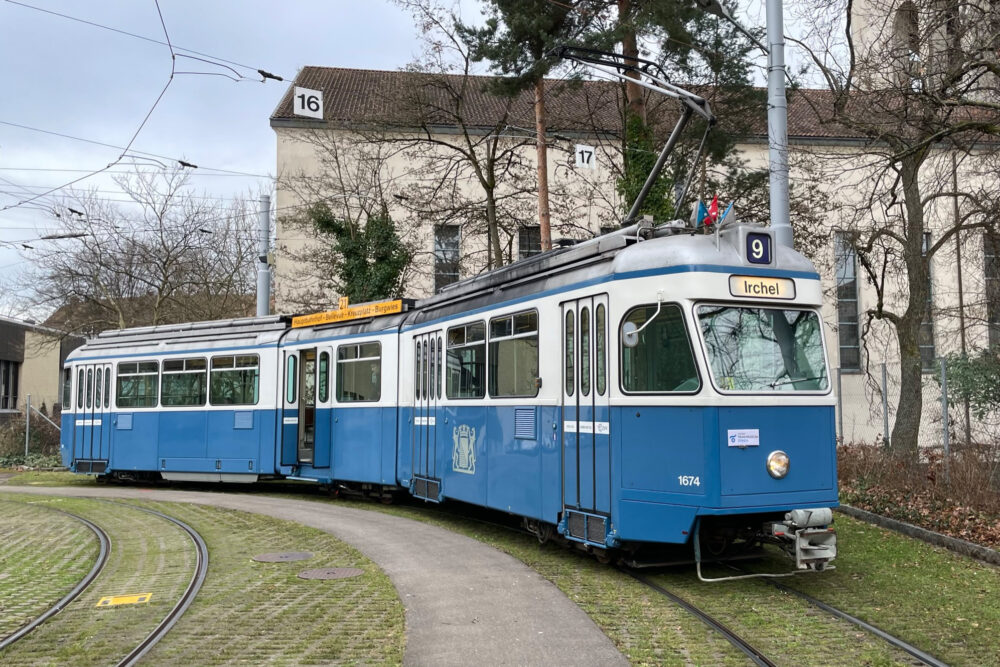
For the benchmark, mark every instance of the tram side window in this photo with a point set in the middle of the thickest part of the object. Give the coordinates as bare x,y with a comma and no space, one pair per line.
659,357
137,384
359,372
234,380
514,355
466,361
184,382
67,391
324,376
79,390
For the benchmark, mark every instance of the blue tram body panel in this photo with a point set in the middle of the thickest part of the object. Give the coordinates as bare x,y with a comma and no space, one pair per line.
605,460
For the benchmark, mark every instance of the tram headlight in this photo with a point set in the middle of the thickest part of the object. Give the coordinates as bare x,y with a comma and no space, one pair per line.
777,464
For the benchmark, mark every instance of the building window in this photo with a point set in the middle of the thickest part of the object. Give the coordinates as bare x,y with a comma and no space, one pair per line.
8,384
991,272
925,337
529,241
848,330
446,249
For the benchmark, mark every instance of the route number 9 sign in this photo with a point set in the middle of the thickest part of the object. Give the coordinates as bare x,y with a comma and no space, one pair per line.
306,102
758,248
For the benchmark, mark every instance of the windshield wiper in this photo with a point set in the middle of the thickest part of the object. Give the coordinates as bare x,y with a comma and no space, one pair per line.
776,383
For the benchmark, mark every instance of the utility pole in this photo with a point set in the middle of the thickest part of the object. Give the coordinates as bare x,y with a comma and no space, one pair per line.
777,125
263,269
777,111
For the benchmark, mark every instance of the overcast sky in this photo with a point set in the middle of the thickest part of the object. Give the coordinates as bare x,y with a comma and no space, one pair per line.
71,78
75,79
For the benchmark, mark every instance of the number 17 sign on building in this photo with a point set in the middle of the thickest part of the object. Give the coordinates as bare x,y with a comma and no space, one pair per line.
306,102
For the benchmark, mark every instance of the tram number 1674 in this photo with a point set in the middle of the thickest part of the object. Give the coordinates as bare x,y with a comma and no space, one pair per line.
689,480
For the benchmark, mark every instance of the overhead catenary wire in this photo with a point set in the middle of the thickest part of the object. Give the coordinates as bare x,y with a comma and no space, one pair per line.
265,75
173,67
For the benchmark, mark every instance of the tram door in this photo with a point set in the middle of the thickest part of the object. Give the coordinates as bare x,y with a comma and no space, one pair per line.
298,416
427,374
586,442
91,421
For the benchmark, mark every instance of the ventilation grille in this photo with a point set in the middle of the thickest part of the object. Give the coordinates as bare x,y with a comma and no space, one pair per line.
91,466
428,489
524,423
587,527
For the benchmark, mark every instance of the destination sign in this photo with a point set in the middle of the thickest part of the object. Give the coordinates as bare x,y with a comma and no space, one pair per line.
762,288
349,313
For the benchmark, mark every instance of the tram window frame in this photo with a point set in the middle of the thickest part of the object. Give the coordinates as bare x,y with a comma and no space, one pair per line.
222,366
67,388
90,388
188,366
291,377
513,328
127,370
107,388
684,326
458,341
323,376
79,389
98,386
417,371
569,351
344,362
601,349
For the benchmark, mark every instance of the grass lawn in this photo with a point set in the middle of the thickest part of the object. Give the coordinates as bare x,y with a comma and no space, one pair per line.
247,612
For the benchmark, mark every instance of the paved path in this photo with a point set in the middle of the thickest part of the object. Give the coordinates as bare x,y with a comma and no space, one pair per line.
466,603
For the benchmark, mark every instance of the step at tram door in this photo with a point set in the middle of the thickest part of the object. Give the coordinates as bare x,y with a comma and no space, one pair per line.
428,370
586,432
92,418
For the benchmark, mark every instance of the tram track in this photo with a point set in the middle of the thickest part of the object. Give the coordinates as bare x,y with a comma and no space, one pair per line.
754,654
197,579
102,558
923,657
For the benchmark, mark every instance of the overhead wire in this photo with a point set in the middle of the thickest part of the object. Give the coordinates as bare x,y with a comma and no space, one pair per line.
136,152
264,74
173,66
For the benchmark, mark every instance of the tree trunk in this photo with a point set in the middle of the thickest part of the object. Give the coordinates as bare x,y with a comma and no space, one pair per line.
636,104
906,431
495,254
543,167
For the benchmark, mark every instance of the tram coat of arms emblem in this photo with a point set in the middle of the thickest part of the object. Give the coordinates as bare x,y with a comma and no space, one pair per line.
463,455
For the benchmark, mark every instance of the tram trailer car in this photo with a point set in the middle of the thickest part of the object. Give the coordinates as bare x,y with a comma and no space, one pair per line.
650,386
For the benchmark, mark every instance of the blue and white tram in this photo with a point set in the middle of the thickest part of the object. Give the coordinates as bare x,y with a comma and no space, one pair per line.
641,387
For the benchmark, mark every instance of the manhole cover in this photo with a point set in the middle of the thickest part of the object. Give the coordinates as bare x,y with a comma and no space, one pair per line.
283,557
331,573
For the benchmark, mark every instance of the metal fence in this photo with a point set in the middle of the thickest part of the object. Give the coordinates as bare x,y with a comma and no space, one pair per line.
867,402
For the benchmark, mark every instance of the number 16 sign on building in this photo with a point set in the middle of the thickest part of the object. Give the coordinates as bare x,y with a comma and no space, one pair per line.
306,102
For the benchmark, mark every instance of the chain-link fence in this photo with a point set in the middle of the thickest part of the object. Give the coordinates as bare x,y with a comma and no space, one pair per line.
867,403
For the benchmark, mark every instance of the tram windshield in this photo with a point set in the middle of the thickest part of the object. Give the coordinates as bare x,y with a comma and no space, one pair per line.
764,349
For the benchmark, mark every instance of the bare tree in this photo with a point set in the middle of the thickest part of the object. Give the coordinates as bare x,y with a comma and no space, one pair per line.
166,256
916,81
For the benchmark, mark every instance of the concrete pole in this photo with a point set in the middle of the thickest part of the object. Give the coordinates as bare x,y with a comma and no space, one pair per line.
263,270
777,125
27,425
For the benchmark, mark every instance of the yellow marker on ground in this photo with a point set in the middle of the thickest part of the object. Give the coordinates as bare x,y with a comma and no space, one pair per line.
115,600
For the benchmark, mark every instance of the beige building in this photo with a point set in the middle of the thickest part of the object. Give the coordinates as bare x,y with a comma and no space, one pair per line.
31,358
371,144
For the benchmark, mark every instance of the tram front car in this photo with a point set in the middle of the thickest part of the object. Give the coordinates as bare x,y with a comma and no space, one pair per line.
724,382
